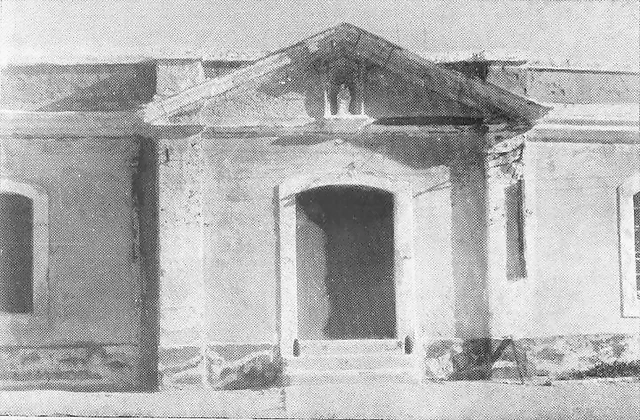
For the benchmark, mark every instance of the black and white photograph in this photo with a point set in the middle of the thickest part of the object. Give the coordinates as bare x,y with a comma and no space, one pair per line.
320,209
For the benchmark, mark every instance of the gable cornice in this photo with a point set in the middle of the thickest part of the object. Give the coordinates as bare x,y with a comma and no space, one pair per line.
355,43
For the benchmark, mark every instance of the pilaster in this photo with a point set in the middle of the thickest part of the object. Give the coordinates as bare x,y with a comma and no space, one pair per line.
182,344
507,214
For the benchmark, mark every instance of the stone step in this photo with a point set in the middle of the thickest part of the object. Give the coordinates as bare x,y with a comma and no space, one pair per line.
367,361
340,347
303,376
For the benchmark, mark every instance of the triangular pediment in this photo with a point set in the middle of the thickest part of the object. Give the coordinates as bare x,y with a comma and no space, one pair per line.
384,80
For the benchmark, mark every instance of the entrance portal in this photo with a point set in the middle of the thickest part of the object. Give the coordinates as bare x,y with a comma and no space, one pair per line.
345,263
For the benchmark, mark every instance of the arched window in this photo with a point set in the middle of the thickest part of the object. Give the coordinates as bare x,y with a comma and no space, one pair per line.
629,234
23,248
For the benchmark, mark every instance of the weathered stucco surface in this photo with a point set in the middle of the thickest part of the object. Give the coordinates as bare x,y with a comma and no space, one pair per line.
216,203
458,298
93,263
576,257
554,356
240,222
222,191
92,313
566,85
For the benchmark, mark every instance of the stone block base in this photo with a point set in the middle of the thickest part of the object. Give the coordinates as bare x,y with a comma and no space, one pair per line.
223,366
86,367
180,367
554,357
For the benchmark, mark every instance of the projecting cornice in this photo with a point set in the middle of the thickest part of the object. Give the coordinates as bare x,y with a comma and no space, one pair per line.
589,123
592,123
70,123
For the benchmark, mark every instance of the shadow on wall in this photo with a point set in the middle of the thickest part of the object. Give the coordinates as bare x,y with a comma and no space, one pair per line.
146,190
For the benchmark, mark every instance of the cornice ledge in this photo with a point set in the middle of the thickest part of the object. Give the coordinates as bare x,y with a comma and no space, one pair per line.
70,124
586,123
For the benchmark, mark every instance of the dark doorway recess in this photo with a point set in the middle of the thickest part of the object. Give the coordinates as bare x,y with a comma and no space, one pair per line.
345,263
16,253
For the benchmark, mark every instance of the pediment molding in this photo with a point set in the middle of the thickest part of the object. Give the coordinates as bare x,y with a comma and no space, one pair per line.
341,54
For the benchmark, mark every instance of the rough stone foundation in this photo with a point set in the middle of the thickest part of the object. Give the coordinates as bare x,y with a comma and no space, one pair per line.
87,366
225,366
525,358
244,367
93,367
180,367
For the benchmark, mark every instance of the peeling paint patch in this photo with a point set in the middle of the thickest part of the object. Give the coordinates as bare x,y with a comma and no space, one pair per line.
438,349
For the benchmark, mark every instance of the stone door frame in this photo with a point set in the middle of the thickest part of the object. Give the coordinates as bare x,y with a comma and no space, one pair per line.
406,320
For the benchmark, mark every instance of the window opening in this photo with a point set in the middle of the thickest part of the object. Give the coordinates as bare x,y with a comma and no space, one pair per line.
636,232
514,209
16,253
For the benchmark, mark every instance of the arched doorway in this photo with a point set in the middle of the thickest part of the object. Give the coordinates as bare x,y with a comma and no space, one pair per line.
345,263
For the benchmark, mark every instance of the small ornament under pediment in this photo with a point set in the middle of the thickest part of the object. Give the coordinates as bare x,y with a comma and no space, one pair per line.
338,106
343,99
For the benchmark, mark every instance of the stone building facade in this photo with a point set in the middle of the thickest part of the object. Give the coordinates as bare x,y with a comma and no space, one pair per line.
339,210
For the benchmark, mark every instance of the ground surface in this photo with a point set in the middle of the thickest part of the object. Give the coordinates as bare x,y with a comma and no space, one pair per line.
450,400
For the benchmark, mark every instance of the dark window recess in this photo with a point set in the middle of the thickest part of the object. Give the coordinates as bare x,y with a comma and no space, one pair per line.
514,212
345,264
636,230
16,253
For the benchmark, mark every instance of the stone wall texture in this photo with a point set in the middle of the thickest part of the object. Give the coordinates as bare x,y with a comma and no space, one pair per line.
553,357
82,366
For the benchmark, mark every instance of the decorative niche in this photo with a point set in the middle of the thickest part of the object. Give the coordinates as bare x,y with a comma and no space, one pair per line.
344,101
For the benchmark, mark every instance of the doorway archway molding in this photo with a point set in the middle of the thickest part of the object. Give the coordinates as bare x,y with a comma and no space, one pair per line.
406,323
